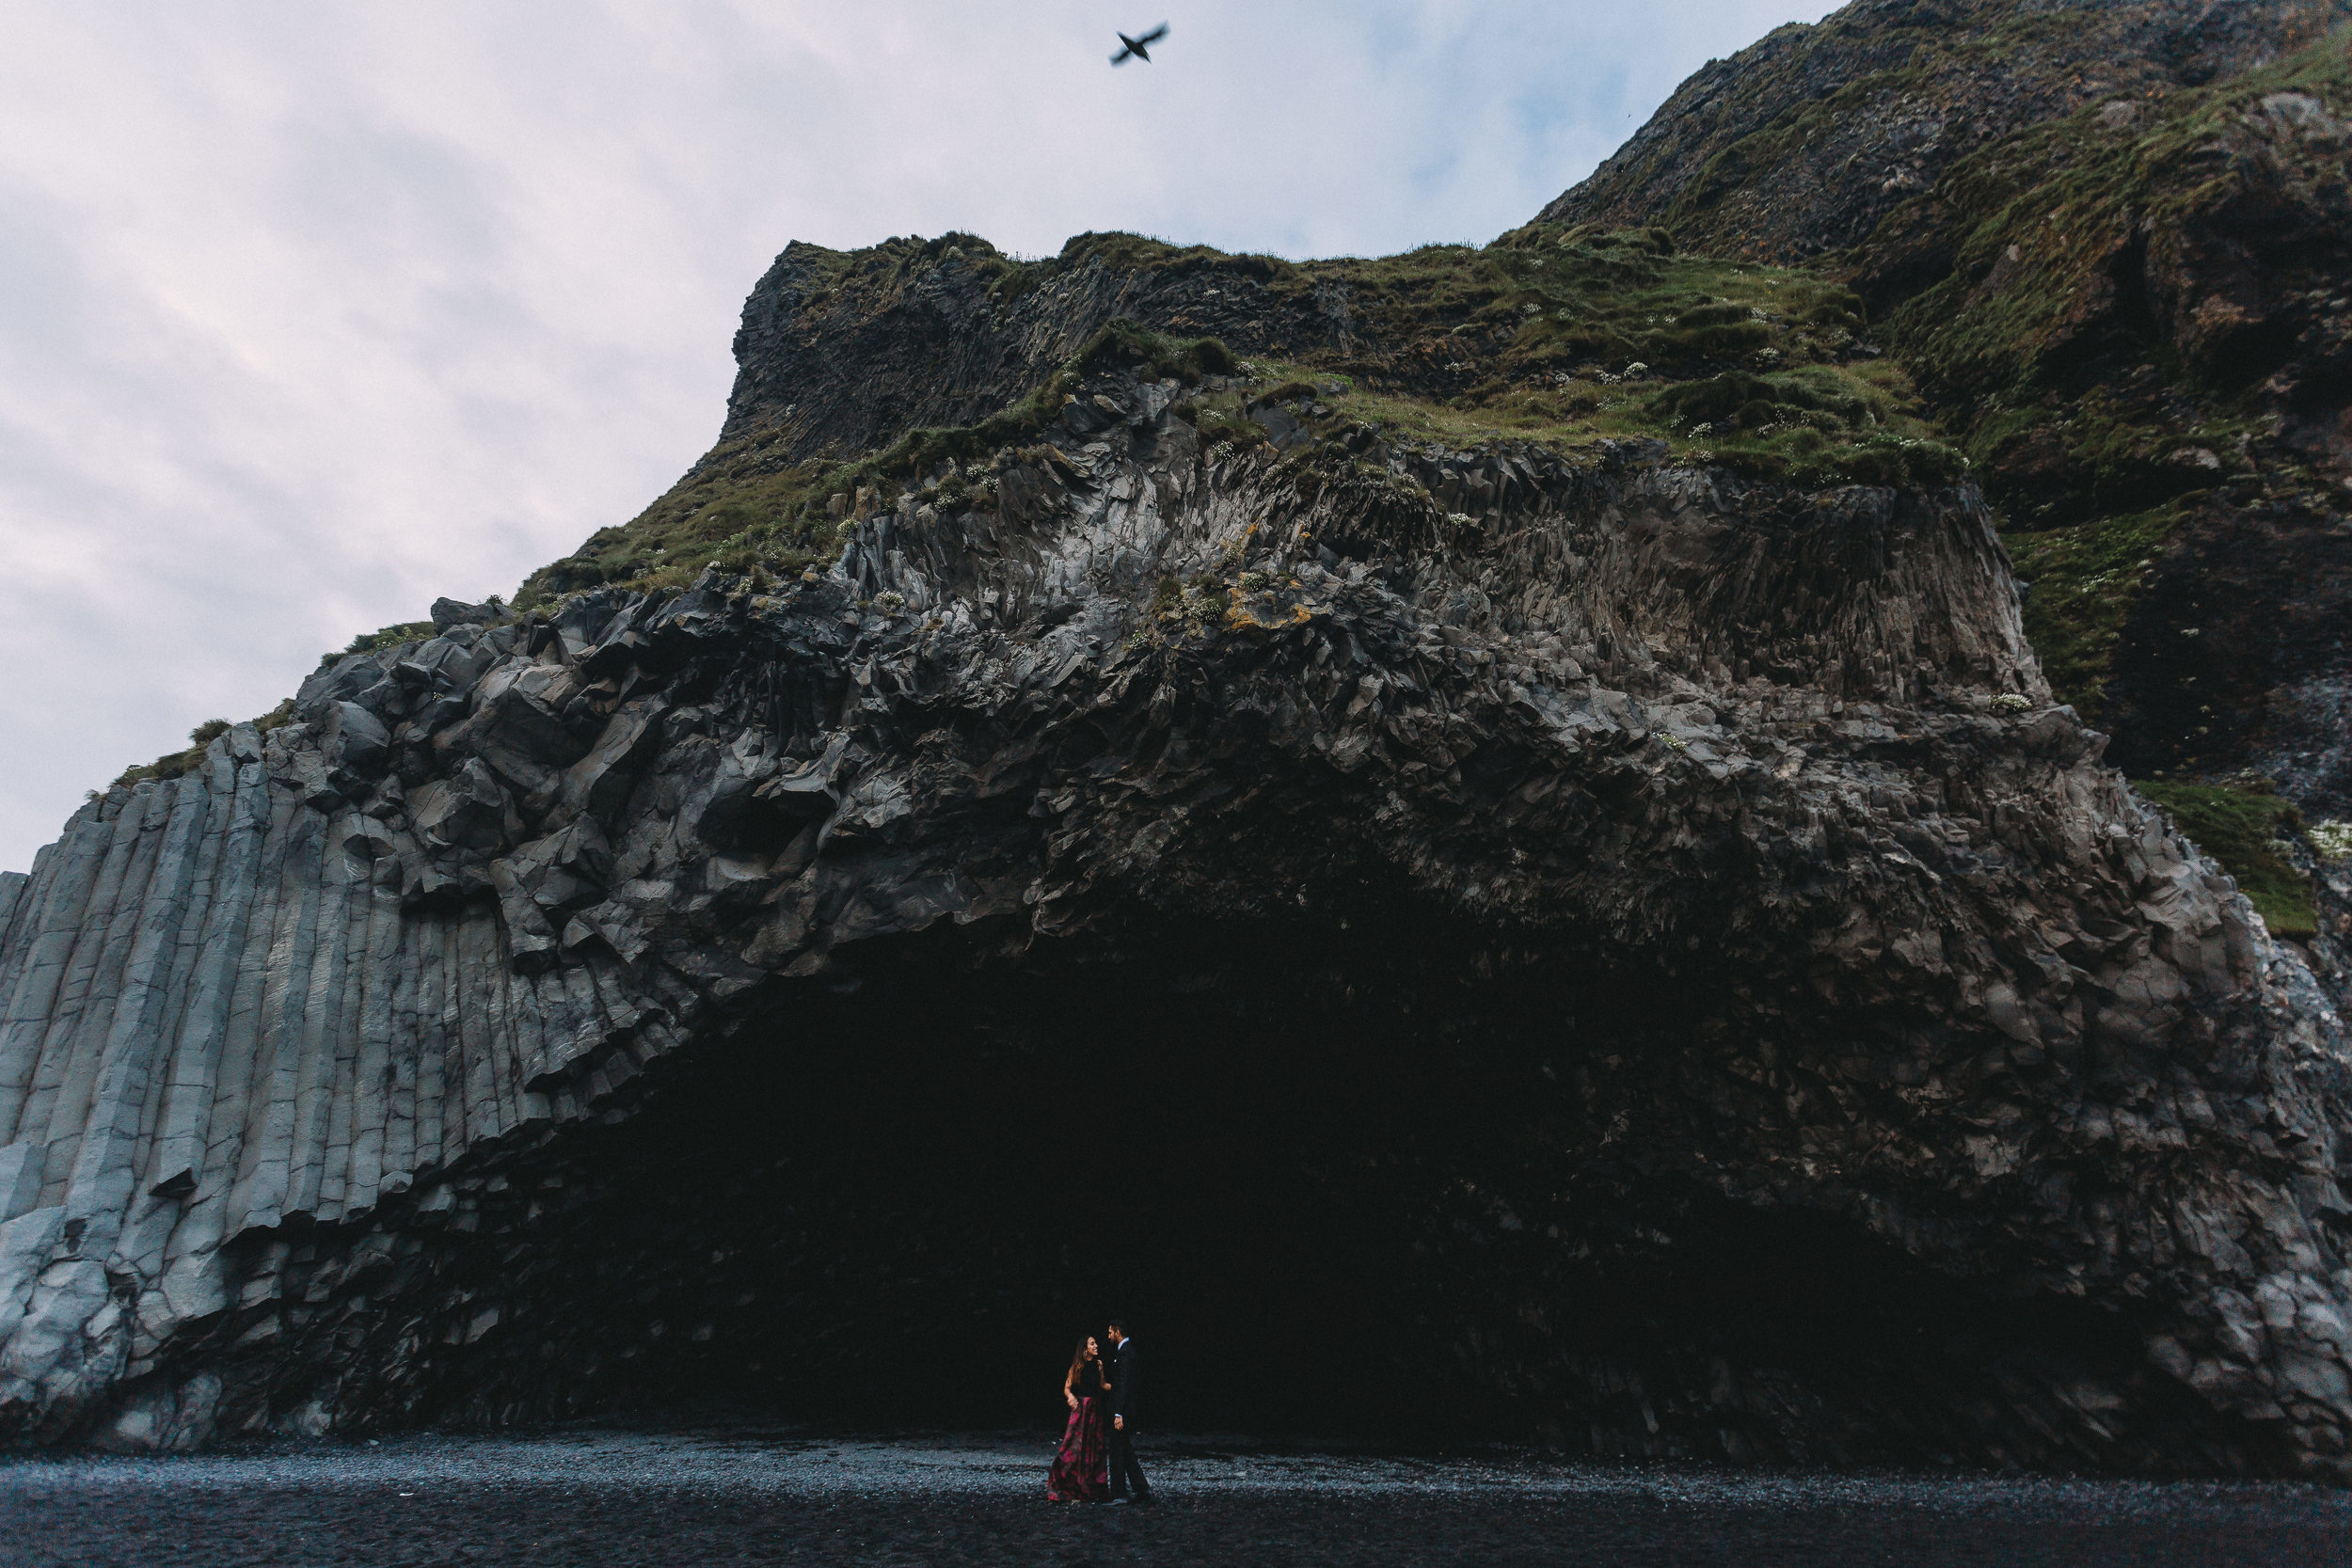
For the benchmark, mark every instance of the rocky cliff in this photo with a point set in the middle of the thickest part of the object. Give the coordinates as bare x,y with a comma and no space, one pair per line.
1430,831
1804,141
2109,239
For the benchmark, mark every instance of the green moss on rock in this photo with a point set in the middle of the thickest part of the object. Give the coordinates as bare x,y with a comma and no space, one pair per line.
2081,583
2240,827
172,764
385,637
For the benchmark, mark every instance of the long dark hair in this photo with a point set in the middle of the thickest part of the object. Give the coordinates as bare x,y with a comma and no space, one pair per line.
1078,1356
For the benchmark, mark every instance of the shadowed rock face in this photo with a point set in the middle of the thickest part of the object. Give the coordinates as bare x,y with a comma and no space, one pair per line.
2217,246
2109,239
1601,951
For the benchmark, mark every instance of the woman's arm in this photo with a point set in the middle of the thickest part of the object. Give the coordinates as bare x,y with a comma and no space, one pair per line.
1068,1378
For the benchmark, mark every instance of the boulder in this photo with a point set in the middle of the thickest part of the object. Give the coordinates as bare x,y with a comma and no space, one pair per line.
454,613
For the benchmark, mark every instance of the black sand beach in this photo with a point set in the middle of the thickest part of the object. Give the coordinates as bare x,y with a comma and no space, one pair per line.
712,1496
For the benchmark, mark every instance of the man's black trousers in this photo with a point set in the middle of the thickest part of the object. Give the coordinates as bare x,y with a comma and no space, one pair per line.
1125,1472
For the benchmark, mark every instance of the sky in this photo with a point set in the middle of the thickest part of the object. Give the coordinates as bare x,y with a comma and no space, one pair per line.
311,313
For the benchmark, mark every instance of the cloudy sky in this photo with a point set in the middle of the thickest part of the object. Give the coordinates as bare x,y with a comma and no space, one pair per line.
310,312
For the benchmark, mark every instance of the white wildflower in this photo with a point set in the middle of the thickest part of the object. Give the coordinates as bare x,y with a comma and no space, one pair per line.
2331,838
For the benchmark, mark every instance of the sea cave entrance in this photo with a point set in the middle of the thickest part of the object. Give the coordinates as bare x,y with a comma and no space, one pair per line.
1344,1181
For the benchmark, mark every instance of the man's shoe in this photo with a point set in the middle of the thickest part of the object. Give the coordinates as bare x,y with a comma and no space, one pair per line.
1119,1502
1148,1500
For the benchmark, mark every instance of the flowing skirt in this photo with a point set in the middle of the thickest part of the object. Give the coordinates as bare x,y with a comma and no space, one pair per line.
1081,1471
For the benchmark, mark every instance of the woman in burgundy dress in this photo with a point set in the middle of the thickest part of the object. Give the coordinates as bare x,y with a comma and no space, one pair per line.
1081,1472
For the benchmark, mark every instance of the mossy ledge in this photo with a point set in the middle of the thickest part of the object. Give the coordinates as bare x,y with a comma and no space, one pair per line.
1759,371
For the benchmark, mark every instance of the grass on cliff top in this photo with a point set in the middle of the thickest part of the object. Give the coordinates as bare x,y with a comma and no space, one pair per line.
1868,430
1551,297
743,509
173,764
1523,339
385,637
1755,369
2240,827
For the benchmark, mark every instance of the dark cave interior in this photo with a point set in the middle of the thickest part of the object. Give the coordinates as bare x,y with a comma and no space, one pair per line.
905,1197
1363,1192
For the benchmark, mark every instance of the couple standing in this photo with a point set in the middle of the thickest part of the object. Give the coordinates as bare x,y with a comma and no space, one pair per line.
1097,1458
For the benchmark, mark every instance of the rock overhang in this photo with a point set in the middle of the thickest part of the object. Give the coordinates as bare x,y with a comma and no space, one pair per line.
1761,786
1646,915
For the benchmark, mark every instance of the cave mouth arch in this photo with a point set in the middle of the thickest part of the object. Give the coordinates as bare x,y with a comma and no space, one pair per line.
900,1189
1346,1182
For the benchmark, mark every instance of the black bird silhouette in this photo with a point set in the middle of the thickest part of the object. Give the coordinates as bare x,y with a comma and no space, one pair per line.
1137,47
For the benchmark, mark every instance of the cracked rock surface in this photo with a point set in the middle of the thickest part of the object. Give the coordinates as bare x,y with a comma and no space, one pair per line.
1686,918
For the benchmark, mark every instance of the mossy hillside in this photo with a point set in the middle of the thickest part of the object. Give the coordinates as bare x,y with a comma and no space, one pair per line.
2241,829
2070,194
1987,51
1855,81
2093,429
2031,339
1869,431
1566,335
2081,582
1549,297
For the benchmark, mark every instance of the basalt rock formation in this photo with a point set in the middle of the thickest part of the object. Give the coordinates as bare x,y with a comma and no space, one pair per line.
1647,906
2113,242
1622,943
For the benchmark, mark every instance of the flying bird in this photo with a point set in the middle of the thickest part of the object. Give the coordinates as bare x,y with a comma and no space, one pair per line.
1140,48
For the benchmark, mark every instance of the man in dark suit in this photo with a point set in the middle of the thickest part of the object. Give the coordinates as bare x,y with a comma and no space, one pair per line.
1126,1475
